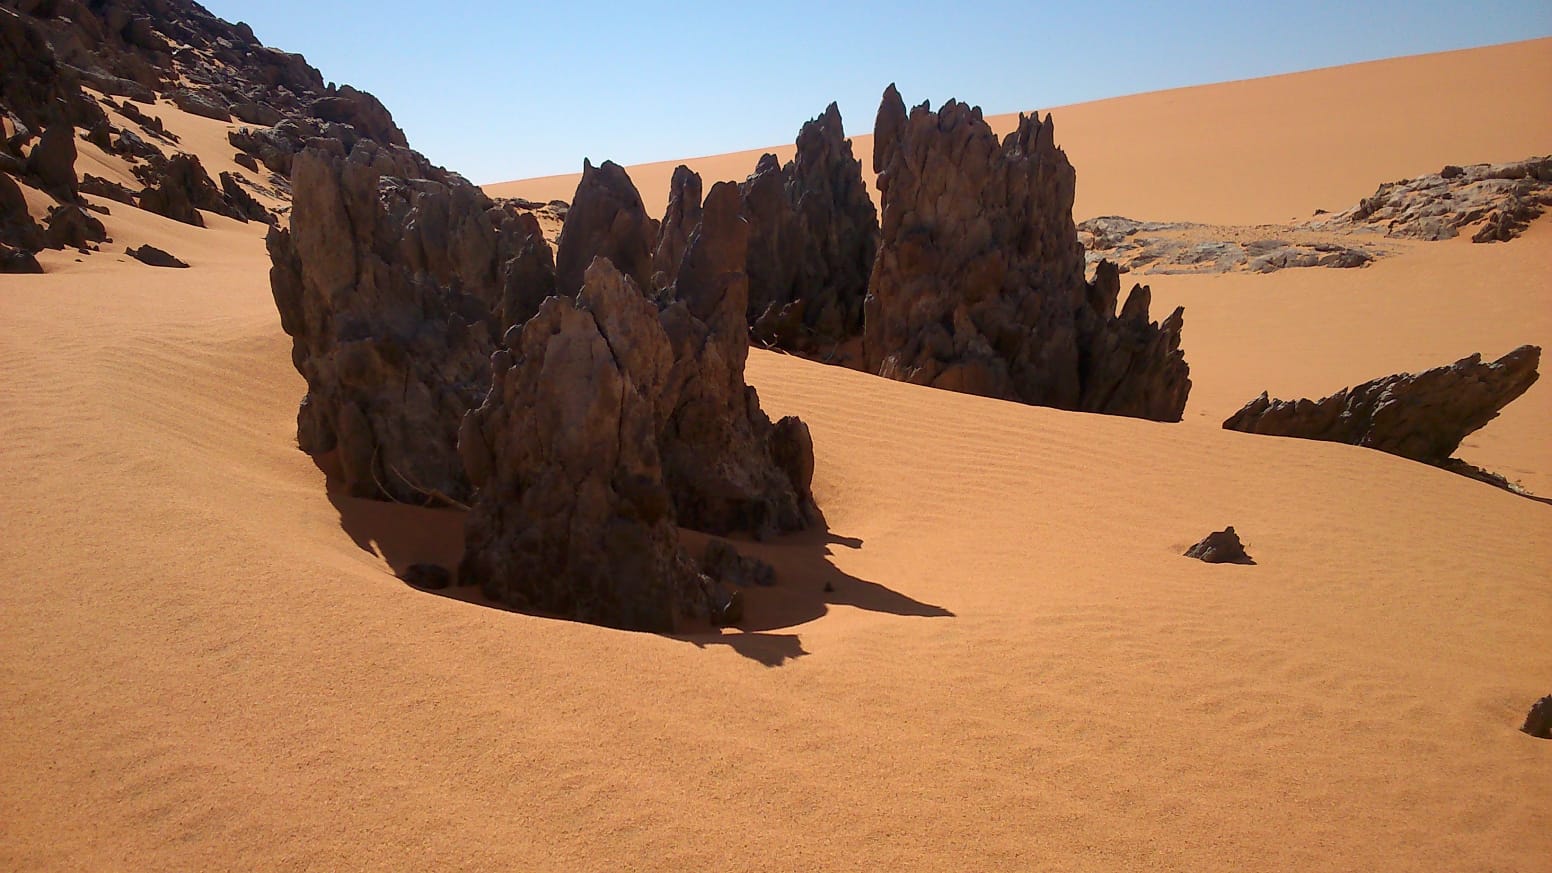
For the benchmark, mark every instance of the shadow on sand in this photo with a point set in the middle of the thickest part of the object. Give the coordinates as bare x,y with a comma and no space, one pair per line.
808,583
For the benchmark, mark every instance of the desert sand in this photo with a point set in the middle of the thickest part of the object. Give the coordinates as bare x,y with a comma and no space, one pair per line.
207,663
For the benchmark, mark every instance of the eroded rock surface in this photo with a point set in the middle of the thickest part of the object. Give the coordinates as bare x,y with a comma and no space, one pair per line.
1220,547
1179,247
979,281
813,238
394,291
1500,200
606,220
574,516
1421,416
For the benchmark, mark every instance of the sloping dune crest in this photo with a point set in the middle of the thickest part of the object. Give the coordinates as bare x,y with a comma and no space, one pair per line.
206,662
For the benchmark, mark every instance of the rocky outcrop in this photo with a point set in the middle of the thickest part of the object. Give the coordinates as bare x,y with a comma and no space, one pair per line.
179,187
18,229
1421,416
979,284
393,291
813,237
574,517
70,226
52,162
1187,248
606,220
1500,200
1220,547
14,261
681,218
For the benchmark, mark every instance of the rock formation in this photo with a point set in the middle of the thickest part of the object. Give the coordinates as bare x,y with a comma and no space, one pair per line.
1220,547
813,237
606,220
574,517
394,292
1499,199
1423,417
979,285
1538,722
681,218
152,256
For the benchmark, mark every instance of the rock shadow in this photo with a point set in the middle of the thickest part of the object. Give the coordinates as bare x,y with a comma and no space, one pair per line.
807,585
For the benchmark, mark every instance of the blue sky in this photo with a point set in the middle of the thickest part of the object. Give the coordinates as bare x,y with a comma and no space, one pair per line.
504,90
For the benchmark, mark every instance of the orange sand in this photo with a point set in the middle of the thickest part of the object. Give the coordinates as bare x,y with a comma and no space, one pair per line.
205,663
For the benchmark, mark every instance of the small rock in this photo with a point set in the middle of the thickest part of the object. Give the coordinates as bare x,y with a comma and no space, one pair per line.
1538,722
427,577
154,257
18,261
722,562
1220,547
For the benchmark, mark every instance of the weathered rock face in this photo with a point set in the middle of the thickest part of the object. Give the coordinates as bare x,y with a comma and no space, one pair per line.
813,237
52,162
17,226
394,292
181,188
70,226
607,220
979,286
681,219
1503,198
1423,416
717,444
573,515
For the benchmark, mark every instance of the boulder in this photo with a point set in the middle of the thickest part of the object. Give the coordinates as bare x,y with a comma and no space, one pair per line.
1421,416
13,261
100,187
204,105
181,188
1538,722
813,237
239,199
17,227
979,281
606,220
70,226
393,290
1220,547
152,256
574,517
52,162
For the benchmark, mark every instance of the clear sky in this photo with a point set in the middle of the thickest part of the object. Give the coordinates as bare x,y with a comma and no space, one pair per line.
506,90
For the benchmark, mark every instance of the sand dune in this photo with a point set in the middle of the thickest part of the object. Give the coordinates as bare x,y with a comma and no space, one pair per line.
1249,152
205,662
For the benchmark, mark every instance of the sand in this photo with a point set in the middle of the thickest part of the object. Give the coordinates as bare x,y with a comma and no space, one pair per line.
206,664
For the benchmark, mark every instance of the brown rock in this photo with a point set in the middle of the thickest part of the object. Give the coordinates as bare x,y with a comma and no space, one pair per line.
155,257
52,162
1538,722
1423,416
13,261
70,226
723,563
204,105
606,220
680,220
1220,547
979,281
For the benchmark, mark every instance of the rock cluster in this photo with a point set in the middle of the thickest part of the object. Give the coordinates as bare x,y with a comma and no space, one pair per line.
394,291
813,238
979,284
1500,200
1181,247
1421,416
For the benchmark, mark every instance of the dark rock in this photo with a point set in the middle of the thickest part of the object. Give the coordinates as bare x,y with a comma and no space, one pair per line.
1220,547
1538,722
262,114
246,161
389,288
203,105
681,218
428,577
182,188
979,281
155,257
574,517
239,198
717,444
100,187
14,261
17,227
723,563
813,237
131,144
70,226
1423,416
52,162
606,220
363,112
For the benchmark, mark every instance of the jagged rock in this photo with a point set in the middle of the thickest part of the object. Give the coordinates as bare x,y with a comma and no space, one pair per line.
813,237
52,162
100,187
718,445
253,112
17,227
1423,416
722,562
681,218
606,220
389,288
573,516
130,144
1538,722
360,110
979,281
428,577
182,188
239,199
246,161
69,226
14,261
203,105
152,256
1220,547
